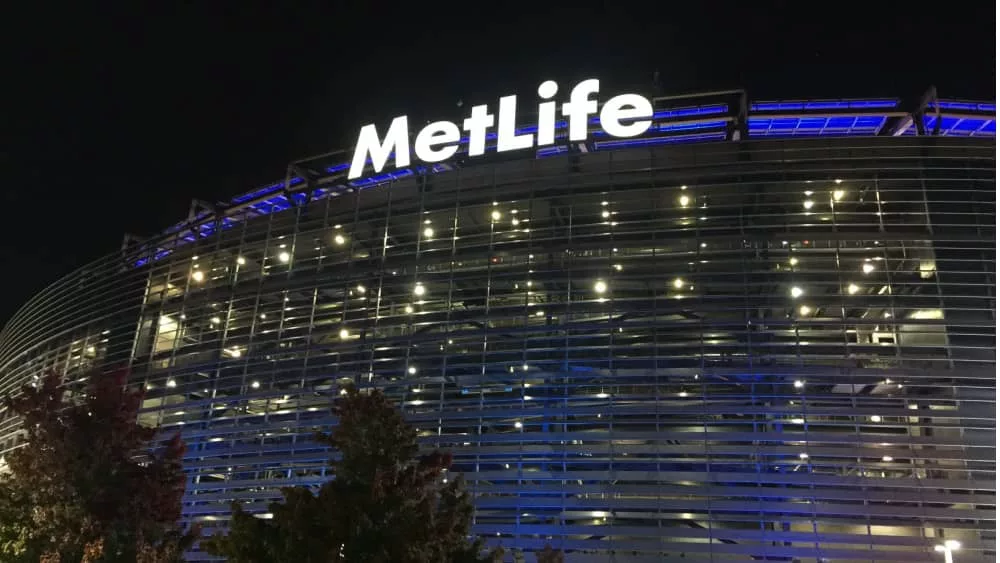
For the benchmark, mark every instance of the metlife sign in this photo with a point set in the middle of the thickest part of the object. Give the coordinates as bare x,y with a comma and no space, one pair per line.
625,115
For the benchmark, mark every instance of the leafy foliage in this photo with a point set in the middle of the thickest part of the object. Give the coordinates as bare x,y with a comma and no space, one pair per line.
85,488
549,555
384,504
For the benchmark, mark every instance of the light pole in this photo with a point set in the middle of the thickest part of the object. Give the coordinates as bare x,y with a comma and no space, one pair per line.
947,547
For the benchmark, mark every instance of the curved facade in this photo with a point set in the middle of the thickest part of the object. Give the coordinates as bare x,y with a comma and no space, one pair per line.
778,349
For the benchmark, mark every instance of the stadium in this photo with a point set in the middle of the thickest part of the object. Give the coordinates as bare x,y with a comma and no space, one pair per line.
761,330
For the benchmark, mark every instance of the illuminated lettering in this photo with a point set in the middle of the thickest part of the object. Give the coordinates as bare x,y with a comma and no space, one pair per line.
625,115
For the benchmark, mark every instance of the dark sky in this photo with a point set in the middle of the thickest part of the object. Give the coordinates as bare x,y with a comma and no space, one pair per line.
115,120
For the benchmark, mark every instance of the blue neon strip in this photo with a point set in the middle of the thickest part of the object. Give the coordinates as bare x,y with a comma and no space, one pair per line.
815,126
692,126
259,193
550,151
692,111
670,127
382,178
824,105
602,145
958,127
967,106
265,190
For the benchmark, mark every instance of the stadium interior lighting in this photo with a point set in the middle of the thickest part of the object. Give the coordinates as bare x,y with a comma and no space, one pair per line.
947,548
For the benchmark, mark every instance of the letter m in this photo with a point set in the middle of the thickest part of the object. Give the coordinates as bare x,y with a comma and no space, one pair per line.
396,139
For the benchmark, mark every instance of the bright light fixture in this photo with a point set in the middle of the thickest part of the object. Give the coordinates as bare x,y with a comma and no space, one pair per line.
600,286
796,291
868,267
496,215
339,239
684,200
807,204
838,195
678,283
428,232
804,310
198,275
344,333
799,384
853,288
241,260
419,289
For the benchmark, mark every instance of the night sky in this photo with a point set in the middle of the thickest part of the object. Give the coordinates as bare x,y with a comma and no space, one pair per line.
115,120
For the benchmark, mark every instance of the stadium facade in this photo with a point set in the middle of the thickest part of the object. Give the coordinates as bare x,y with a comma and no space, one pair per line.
758,331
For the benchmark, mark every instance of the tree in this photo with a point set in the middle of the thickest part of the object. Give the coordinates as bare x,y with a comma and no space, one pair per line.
384,505
85,488
549,555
